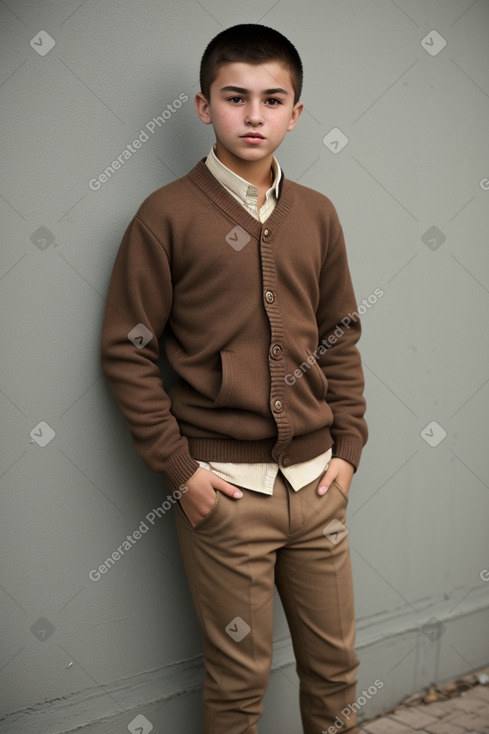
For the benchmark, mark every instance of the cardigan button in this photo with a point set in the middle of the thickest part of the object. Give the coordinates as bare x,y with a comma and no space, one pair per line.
276,351
278,406
269,296
285,461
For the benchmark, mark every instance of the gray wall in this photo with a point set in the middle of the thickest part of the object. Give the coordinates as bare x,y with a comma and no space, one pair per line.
412,190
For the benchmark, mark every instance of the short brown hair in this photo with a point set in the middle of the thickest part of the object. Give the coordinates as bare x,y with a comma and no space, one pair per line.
252,44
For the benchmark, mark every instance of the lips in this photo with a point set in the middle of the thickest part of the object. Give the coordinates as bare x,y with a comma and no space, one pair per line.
253,135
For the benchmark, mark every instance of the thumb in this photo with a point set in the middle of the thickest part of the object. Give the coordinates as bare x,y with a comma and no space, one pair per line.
325,482
226,487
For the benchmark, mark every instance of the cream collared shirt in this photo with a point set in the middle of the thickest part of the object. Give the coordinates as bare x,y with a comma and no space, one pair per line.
259,476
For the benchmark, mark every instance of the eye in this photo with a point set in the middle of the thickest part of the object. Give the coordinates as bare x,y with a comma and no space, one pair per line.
235,100
274,102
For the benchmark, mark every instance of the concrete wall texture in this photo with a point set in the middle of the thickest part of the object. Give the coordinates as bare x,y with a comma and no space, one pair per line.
395,133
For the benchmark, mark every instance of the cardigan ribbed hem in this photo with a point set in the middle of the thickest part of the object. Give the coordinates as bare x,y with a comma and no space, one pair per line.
301,448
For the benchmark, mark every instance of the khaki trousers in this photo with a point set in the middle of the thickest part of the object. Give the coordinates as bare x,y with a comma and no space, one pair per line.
233,559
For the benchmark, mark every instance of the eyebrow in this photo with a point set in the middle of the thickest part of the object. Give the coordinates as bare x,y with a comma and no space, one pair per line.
241,90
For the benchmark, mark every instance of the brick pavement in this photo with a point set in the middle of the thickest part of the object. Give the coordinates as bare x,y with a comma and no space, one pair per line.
467,713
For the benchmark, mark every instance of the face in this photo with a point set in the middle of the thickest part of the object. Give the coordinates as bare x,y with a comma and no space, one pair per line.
251,108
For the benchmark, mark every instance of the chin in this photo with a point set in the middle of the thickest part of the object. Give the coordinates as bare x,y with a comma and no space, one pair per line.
253,153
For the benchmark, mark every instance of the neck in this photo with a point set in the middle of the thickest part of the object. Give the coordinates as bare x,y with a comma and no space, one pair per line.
258,173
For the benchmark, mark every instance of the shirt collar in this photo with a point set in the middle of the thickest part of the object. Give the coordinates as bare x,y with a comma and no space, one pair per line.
241,188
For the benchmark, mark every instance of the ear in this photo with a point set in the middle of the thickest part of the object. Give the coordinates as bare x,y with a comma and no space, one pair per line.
296,113
202,107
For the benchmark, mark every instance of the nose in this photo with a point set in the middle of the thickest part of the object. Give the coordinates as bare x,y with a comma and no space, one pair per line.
254,115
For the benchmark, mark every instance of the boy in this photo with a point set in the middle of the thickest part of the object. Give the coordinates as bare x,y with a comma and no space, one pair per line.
247,274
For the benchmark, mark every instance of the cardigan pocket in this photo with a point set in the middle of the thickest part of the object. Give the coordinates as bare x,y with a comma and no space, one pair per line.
226,381
244,382
317,380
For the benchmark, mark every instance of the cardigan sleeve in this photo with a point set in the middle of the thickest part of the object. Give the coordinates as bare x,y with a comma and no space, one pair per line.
339,331
138,307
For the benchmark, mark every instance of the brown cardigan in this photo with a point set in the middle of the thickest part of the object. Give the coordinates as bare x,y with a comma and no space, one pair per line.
244,306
